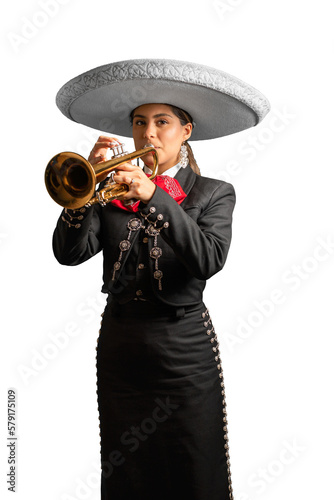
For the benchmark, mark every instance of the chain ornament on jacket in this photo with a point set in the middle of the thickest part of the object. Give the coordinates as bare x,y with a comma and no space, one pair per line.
72,217
133,225
151,229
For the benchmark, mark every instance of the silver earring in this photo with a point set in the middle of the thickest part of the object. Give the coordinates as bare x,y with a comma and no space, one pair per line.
183,156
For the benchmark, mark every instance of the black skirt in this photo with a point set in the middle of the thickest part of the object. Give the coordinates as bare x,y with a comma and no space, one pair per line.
161,405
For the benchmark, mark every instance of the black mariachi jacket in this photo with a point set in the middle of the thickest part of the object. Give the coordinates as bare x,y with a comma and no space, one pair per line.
192,238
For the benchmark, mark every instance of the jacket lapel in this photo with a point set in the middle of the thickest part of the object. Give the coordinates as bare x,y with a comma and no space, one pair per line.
186,177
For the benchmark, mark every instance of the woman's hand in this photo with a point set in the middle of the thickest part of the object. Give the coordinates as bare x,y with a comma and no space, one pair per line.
99,152
100,149
140,186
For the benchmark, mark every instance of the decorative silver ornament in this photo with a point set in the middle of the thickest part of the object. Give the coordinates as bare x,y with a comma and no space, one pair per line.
183,156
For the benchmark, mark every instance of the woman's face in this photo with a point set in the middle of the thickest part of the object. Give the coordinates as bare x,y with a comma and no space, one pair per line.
158,125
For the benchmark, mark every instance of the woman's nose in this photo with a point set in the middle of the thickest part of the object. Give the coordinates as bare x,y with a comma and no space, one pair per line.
149,131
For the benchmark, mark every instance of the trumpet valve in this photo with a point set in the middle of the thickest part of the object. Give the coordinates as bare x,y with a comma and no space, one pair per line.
118,151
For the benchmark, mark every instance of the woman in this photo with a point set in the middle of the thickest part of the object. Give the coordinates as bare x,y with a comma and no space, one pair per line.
160,383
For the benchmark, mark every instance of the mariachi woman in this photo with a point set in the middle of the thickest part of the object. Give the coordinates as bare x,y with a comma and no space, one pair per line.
161,394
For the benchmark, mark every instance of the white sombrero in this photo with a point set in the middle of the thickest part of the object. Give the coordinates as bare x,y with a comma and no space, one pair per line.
220,104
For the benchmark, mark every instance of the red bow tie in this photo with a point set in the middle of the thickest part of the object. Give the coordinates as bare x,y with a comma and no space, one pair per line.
168,184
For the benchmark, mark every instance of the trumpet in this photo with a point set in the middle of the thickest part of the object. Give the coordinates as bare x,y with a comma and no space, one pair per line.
71,180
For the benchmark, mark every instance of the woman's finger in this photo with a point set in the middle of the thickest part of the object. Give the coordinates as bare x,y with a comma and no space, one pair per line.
96,159
119,178
108,139
128,167
105,144
101,147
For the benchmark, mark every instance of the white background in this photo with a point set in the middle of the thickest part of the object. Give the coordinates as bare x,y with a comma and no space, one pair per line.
272,304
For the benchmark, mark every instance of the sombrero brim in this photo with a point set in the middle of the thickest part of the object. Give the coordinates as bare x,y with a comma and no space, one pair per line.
220,104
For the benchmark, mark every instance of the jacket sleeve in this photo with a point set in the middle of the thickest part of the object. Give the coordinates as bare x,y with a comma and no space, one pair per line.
77,236
202,246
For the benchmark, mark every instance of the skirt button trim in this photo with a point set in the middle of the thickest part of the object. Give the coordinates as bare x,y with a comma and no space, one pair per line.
97,392
215,349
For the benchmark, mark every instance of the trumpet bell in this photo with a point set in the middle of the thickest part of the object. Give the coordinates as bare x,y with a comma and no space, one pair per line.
70,180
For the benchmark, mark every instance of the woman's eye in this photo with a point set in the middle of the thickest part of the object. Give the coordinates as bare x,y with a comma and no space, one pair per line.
163,122
139,122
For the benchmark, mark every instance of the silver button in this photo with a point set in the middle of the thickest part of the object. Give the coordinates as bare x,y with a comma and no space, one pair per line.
139,292
141,266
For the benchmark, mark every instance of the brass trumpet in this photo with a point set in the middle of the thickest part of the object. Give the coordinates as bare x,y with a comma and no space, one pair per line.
71,180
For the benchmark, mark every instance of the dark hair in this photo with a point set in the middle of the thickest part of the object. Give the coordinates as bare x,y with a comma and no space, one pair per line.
184,118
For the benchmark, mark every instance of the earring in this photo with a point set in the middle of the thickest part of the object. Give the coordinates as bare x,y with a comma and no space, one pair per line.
183,155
